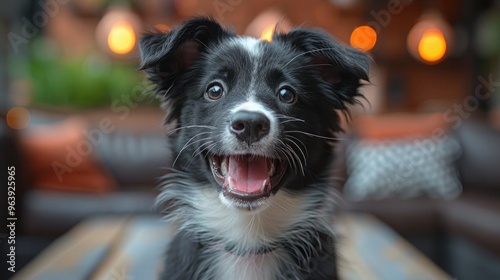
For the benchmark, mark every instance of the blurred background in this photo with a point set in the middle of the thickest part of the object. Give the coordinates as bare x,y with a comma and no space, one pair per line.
423,153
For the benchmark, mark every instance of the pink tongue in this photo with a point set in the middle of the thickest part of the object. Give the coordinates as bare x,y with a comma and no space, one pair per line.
247,174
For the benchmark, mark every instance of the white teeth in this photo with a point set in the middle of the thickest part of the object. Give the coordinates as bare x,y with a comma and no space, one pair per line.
214,165
223,167
264,186
230,183
271,170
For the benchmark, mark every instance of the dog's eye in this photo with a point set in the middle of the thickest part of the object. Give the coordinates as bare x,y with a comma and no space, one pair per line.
287,95
214,91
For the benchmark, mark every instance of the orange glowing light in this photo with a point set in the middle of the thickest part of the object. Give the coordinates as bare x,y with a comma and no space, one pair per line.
18,118
121,37
363,38
267,33
432,46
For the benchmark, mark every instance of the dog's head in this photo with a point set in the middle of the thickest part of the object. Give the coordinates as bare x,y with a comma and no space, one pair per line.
252,116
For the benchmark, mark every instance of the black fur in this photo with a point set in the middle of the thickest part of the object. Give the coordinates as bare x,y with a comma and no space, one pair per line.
326,76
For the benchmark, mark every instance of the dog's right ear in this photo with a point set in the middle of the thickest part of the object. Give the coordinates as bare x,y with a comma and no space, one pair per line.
167,56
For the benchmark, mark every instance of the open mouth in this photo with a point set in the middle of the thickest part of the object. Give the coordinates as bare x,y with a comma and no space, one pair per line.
246,179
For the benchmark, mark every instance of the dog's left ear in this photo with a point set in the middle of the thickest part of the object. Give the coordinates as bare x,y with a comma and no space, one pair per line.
167,56
339,66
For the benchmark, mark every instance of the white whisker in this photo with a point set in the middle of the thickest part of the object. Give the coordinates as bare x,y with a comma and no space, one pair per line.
300,142
304,53
189,126
296,145
203,147
289,119
315,135
288,155
296,156
189,144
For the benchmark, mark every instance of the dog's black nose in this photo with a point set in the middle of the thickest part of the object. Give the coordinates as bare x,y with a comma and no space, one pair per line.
249,126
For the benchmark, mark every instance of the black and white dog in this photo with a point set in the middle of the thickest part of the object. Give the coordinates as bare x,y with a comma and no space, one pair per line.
251,189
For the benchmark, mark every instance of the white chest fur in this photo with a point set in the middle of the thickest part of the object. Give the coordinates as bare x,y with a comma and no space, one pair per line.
289,217
250,230
250,267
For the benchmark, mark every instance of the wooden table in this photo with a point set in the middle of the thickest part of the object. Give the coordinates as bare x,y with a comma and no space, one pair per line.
131,248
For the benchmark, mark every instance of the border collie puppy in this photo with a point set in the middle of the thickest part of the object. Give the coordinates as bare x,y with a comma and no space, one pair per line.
250,189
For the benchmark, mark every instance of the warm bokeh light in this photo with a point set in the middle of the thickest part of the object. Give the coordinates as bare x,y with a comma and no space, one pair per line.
363,38
121,38
116,33
18,118
266,24
431,39
432,46
162,27
267,33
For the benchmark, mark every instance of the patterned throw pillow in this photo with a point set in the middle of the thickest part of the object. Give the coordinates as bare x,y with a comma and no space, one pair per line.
402,168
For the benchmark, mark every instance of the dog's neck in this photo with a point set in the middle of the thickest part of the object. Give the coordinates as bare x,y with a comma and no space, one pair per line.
302,253
315,239
233,249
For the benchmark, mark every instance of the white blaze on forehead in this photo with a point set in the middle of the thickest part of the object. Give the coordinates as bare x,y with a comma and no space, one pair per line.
252,106
250,44
253,47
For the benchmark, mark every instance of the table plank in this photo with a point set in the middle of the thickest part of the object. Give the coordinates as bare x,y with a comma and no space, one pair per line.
131,248
76,254
139,253
371,250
